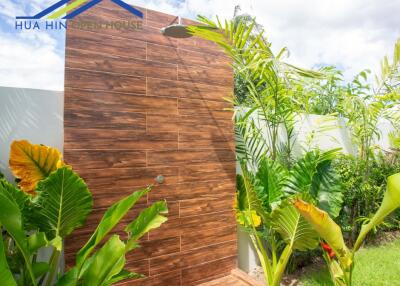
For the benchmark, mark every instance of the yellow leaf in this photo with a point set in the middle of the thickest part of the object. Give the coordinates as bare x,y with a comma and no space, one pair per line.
391,201
31,163
327,229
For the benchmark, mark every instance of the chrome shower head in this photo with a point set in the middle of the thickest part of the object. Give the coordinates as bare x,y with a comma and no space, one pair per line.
176,30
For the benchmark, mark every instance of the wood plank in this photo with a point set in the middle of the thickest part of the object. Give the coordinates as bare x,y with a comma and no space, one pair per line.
191,258
199,189
104,81
168,54
145,34
182,89
207,140
172,278
116,64
111,180
205,205
199,238
115,120
110,101
204,75
106,44
184,157
95,159
97,139
192,275
207,172
187,123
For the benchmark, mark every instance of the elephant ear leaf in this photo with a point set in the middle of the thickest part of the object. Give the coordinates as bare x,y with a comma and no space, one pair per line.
391,201
31,163
327,229
64,202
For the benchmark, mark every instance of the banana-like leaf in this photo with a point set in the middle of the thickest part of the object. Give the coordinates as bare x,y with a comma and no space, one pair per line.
5,273
10,219
64,202
293,228
391,201
123,275
150,218
31,163
106,263
110,219
327,229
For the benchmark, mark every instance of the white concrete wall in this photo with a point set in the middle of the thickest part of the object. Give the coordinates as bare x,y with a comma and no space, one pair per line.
32,114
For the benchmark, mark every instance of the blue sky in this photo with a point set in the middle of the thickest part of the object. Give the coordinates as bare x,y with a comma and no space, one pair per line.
353,35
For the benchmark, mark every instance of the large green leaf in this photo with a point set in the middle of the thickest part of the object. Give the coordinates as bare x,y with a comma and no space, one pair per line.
110,219
106,263
64,202
148,219
293,228
5,273
314,175
10,218
391,201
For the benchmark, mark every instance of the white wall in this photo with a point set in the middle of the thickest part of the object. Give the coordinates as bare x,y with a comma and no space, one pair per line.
32,114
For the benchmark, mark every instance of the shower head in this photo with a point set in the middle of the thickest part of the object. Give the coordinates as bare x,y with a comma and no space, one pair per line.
176,30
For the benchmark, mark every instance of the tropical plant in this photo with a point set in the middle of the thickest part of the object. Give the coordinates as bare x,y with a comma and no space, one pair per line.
263,210
339,257
264,76
50,204
362,197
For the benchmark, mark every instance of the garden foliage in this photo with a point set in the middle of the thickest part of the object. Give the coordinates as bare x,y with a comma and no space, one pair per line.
50,203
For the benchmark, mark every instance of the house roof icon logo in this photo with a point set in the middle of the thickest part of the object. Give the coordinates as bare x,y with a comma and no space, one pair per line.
74,8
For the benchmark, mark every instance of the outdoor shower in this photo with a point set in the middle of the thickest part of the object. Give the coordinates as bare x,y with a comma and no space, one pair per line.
176,30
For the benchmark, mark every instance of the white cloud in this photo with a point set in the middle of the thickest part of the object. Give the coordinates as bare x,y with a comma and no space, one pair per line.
31,61
353,35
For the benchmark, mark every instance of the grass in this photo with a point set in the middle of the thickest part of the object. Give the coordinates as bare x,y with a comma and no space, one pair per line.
375,266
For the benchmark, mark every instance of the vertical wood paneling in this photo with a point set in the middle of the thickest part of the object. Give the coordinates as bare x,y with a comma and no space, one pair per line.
138,104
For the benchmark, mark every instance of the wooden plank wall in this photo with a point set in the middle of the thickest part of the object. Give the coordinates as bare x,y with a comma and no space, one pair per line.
138,104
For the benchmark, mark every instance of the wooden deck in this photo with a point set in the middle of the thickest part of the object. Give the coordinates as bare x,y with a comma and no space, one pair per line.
236,278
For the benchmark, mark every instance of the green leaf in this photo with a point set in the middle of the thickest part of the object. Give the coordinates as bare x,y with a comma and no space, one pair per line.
10,218
37,240
271,178
40,268
124,274
314,175
5,273
18,197
64,202
110,219
293,228
106,263
150,218
391,201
